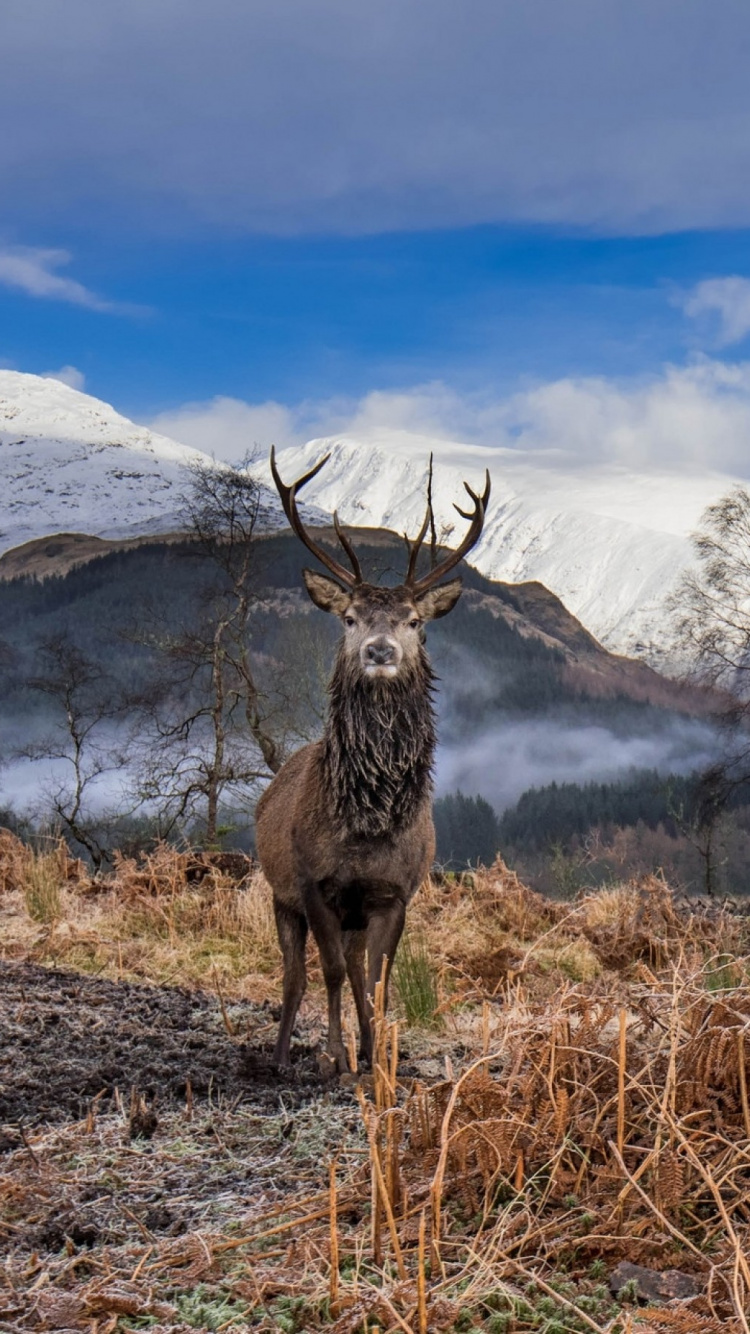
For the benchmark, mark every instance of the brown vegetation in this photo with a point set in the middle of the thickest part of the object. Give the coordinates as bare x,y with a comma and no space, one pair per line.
582,1102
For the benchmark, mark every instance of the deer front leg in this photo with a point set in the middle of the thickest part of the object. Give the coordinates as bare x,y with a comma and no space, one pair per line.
355,944
292,932
383,934
326,928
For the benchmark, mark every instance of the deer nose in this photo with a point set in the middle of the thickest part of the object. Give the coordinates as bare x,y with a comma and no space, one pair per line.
380,652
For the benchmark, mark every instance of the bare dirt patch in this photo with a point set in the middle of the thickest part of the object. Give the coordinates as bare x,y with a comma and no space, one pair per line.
68,1039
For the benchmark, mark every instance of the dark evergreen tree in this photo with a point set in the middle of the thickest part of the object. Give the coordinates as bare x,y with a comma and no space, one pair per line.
467,831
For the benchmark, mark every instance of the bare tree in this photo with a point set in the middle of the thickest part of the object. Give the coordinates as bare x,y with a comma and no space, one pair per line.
704,819
81,740
208,728
712,604
712,618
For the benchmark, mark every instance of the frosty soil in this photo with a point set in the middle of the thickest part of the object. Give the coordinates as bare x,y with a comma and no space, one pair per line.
69,1041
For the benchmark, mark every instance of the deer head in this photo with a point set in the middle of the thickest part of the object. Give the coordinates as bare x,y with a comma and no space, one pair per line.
383,627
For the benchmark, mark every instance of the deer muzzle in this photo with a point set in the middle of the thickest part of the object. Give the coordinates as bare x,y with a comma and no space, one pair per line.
381,656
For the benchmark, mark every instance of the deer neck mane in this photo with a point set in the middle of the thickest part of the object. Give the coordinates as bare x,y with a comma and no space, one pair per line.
378,749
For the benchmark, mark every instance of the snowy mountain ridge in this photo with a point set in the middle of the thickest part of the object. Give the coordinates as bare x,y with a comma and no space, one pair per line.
611,543
70,463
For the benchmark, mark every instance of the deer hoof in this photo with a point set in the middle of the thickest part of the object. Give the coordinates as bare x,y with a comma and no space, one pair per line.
326,1065
333,1063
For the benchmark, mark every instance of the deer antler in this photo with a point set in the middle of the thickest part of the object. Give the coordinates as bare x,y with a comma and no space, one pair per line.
419,586
288,496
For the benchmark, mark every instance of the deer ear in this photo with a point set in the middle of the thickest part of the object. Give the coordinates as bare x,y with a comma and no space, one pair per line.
326,593
437,602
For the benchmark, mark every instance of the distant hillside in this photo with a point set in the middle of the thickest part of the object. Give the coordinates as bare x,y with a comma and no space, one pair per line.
526,611
526,694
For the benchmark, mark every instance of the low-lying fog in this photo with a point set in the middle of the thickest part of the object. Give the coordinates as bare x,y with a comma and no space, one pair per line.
513,756
498,765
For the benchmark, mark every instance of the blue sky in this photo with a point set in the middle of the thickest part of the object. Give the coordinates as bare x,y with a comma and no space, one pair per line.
289,319
317,200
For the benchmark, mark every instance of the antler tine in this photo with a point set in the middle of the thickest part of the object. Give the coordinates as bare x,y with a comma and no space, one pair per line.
348,548
287,493
476,517
475,498
415,547
288,496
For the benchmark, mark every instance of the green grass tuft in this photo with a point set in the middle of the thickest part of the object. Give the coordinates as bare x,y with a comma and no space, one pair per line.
416,982
41,888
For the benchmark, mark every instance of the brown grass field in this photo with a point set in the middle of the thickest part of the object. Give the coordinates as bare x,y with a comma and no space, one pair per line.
560,1094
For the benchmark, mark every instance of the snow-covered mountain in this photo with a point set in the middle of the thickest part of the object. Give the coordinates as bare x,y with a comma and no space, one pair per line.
611,543
70,463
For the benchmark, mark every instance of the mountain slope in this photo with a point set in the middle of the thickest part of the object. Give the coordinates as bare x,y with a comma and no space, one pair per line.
70,463
610,543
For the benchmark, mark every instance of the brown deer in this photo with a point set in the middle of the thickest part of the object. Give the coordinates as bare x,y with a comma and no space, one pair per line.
344,831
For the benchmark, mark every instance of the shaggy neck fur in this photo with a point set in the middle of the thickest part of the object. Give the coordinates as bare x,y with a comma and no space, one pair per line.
379,746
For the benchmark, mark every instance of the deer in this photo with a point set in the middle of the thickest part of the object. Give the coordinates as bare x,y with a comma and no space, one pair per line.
344,830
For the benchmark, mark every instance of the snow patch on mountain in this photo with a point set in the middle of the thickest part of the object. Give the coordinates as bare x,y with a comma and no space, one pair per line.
611,543
70,463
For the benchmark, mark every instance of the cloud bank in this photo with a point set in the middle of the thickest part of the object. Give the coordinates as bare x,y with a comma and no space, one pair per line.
621,115
695,416
503,763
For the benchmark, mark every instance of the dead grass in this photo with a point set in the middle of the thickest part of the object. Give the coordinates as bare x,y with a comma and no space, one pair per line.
39,875
169,917
592,1107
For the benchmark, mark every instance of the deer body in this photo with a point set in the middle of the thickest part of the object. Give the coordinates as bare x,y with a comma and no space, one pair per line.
344,831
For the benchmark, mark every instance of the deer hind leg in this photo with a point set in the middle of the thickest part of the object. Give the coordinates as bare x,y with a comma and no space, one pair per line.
383,934
355,943
292,932
329,938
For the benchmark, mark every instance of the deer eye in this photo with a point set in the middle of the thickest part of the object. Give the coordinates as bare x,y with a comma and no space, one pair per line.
414,623
349,621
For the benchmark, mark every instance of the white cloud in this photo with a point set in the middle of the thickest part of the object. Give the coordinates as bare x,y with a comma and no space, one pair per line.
33,270
686,416
69,375
729,298
230,428
691,415
697,415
